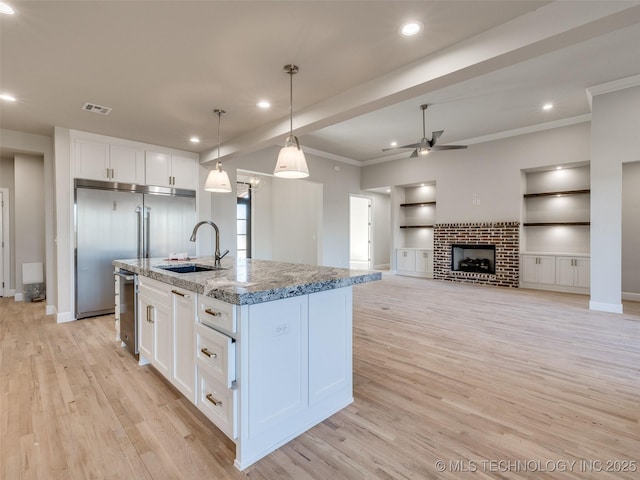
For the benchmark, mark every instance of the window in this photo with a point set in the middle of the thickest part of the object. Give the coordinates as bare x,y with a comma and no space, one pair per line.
243,221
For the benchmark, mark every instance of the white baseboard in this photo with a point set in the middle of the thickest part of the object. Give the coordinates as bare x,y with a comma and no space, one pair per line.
605,307
632,297
384,266
64,317
51,310
18,297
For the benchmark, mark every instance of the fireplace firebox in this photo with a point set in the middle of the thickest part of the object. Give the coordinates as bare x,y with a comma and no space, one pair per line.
473,258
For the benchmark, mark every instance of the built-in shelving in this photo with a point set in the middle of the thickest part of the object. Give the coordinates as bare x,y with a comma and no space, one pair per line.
417,204
551,224
557,194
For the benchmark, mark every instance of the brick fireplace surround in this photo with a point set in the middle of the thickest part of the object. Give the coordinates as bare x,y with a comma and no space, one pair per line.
504,235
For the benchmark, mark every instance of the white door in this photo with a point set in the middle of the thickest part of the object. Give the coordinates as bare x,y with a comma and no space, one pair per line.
4,242
360,232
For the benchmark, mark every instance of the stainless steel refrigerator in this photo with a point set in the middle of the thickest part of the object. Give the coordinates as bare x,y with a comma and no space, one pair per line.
123,221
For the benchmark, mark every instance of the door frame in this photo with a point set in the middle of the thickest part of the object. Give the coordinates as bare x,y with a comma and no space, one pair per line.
5,246
369,229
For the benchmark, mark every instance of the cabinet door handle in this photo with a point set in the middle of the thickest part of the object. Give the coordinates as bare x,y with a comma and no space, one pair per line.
213,313
185,295
213,400
150,313
208,353
113,174
108,173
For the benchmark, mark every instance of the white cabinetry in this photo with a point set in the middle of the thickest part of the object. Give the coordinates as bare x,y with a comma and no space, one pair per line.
183,313
561,273
414,262
573,271
167,170
96,160
538,269
154,324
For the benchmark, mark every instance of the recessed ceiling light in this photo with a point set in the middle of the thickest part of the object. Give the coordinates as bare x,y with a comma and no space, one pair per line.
194,140
547,106
388,190
394,144
558,167
7,97
6,9
263,104
411,28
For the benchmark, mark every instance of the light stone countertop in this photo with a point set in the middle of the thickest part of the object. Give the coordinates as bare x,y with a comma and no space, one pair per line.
246,282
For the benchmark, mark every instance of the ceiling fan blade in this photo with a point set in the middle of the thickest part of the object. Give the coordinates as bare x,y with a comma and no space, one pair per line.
448,147
414,154
436,136
413,145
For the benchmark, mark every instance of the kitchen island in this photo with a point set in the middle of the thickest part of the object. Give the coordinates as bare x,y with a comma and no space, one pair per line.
263,349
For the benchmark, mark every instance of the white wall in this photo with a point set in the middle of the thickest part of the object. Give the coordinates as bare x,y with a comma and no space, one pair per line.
491,171
631,231
614,135
29,212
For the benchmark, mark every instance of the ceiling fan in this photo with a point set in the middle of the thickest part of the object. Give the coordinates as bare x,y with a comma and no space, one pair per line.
425,145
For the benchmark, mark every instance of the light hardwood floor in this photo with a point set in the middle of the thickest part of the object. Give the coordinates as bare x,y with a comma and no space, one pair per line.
509,383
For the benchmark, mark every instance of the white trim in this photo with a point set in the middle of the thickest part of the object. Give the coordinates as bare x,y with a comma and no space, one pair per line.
613,86
6,238
51,310
605,307
18,297
632,297
331,156
383,266
65,317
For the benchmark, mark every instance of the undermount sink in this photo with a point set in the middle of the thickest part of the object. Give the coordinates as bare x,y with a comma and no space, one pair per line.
189,268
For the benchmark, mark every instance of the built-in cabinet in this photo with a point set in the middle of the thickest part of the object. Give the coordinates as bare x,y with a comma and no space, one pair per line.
95,160
155,325
414,262
168,170
107,159
183,311
416,207
556,223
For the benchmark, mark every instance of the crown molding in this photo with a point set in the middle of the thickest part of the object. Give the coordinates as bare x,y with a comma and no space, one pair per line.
613,86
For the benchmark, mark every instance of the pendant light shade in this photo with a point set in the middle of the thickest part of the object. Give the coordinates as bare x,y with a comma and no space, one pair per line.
291,160
218,179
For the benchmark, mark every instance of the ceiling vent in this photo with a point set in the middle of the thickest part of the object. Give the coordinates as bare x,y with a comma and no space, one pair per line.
92,107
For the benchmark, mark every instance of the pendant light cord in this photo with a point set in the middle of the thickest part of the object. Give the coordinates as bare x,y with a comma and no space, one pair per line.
291,102
219,112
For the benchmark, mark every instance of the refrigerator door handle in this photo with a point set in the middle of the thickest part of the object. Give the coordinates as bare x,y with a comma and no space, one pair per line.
147,230
139,210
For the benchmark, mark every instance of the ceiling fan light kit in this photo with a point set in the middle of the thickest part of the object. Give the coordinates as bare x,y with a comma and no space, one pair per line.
425,145
291,160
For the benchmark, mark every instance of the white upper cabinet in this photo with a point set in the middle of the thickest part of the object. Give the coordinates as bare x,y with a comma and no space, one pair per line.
95,160
168,170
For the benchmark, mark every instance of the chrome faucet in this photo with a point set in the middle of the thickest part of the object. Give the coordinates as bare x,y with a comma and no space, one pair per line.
217,255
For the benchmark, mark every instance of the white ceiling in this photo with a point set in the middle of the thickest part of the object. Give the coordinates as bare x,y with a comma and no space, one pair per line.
485,67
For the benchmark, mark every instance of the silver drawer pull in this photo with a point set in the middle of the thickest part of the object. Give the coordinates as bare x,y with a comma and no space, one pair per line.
185,295
214,400
208,353
213,313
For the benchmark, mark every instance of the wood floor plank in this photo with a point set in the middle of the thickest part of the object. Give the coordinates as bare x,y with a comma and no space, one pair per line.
468,375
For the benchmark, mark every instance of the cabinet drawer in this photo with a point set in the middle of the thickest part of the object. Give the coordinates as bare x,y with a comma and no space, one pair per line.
216,352
217,314
217,402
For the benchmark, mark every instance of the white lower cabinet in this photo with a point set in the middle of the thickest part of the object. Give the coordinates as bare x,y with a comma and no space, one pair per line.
154,325
183,313
539,269
563,273
414,262
217,402
573,271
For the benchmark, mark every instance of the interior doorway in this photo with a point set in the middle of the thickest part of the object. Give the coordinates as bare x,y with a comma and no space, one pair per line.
5,277
360,247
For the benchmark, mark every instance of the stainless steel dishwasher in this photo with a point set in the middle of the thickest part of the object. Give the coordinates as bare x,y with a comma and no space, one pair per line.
128,305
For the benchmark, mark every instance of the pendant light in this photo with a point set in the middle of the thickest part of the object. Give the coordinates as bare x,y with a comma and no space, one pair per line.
291,162
218,180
